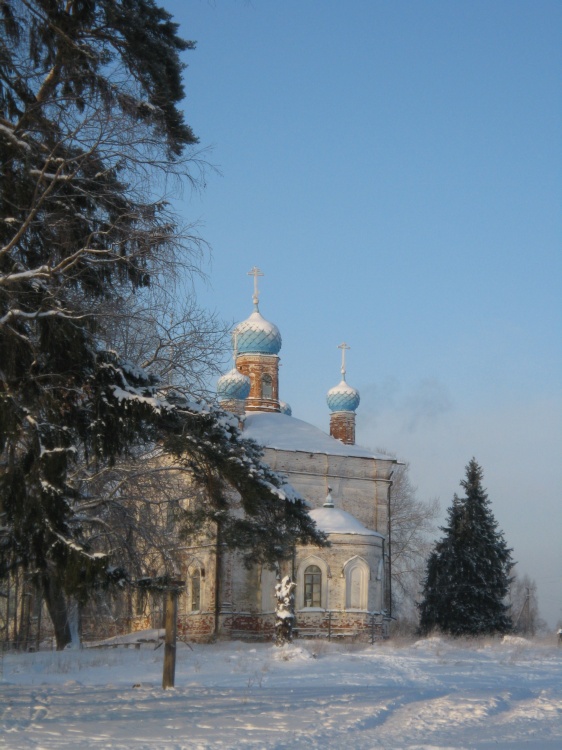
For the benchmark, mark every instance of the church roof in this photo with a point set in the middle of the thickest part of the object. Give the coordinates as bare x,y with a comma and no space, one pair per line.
256,335
287,433
233,385
343,397
336,521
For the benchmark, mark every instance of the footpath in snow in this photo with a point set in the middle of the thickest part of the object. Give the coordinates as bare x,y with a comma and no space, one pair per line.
424,695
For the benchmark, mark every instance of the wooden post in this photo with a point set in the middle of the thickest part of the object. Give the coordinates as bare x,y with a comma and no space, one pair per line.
171,625
39,612
15,616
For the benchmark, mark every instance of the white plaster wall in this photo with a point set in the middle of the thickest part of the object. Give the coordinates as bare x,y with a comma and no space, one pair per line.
359,485
343,548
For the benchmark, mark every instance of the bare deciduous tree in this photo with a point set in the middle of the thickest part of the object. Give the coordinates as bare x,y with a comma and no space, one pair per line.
525,605
412,521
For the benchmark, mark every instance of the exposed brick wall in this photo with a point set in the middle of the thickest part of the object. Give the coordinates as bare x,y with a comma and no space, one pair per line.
342,426
255,366
244,625
333,624
144,622
197,627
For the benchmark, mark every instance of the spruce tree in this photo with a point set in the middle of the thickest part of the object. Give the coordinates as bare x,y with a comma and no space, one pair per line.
92,131
467,575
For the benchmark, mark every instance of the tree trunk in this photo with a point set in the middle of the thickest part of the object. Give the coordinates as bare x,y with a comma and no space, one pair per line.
57,609
74,616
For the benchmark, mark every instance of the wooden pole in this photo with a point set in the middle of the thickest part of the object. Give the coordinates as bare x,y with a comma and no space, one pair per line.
15,617
171,613
39,612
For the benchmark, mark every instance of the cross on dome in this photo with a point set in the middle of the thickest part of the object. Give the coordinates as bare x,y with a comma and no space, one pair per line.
255,272
256,335
343,348
343,397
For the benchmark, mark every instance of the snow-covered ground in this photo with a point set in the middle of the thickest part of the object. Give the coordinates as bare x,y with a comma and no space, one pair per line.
428,694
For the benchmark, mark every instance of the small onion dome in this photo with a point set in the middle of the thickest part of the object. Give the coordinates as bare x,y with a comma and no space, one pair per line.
233,385
256,335
342,397
284,408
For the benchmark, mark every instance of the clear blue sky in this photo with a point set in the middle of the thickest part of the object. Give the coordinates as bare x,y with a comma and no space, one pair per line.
394,168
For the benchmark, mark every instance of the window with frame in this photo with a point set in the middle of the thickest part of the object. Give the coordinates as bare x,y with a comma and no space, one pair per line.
196,591
266,386
313,586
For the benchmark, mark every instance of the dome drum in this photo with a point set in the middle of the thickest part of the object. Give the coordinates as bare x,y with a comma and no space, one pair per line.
262,371
342,426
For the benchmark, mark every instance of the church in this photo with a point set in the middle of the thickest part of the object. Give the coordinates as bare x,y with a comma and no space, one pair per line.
341,589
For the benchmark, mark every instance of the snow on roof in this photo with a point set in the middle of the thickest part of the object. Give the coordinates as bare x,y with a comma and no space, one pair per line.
280,431
336,521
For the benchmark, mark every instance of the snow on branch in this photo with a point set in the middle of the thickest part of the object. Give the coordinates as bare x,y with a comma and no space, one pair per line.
156,403
12,137
11,314
50,175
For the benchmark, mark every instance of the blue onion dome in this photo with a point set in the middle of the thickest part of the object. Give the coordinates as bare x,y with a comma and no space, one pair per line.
284,408
256,335
343,397
233,385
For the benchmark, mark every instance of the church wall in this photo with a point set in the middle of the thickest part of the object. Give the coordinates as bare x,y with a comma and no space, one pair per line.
246,601
343,548
335,616
242,612
245,589
359,485
196,618
239,597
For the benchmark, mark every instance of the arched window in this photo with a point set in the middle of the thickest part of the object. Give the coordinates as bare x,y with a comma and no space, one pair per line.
195,586
355,600
266,386
313,579
313,586
356,573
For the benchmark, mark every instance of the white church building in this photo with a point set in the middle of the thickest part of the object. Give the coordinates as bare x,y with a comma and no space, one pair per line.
341,589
